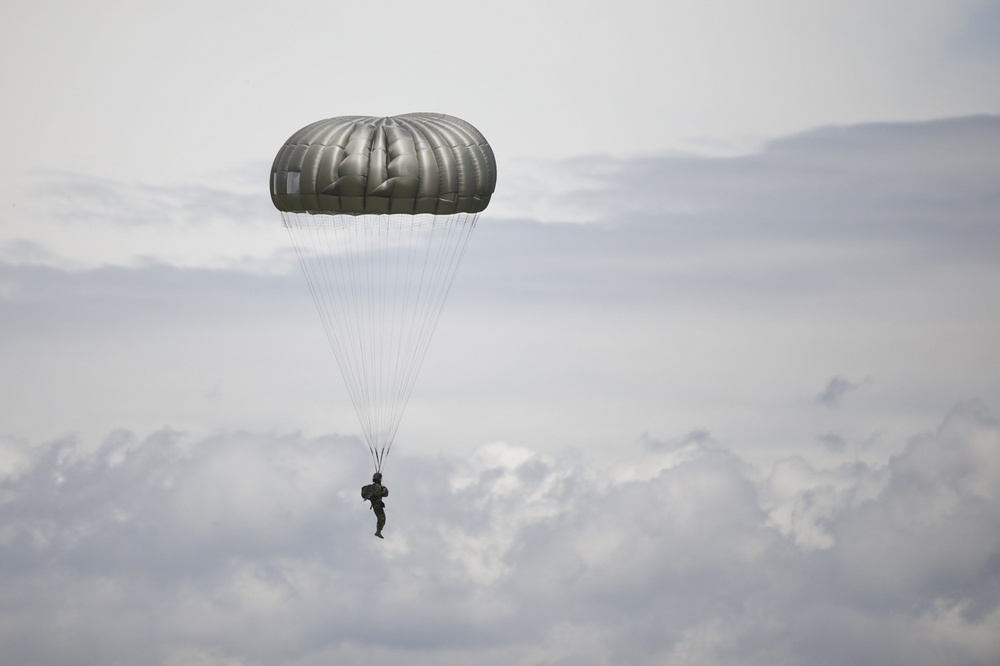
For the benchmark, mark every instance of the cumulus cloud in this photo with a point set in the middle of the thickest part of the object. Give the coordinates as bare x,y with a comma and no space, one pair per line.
253,549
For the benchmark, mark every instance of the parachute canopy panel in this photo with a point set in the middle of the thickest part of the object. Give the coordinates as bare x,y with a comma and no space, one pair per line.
411,164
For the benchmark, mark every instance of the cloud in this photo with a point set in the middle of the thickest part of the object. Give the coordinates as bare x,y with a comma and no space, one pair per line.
925,188
704,293
82,222
834,392
833,441
974,36
835,206
252,549
611,454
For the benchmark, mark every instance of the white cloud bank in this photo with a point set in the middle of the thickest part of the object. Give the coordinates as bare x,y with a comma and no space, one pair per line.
250,549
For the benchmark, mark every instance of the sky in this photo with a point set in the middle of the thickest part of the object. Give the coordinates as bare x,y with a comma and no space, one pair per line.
717,382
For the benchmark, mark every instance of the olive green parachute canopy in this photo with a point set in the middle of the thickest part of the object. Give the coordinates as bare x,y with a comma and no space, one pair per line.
411,164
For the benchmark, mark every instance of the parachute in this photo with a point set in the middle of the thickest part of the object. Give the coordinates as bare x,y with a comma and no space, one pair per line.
380,212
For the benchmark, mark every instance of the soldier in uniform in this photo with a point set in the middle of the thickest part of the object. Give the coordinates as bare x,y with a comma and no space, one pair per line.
374,492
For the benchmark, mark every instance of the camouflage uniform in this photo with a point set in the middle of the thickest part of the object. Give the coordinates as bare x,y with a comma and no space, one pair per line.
374,493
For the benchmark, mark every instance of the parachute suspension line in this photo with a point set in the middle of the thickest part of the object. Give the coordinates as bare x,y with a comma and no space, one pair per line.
345,297
361,278
390,344
379,283
331,289
376,296
451,246
404,342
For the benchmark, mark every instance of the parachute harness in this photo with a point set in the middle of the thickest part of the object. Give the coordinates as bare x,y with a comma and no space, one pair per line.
379,283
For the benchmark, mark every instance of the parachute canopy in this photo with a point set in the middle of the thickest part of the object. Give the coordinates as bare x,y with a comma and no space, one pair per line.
413,163
380,211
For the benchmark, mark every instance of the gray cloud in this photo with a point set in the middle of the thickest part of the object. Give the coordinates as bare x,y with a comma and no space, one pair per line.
977,34
833,441
841,207
835,390
81,222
